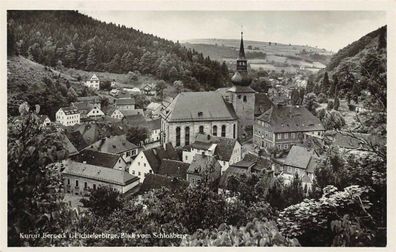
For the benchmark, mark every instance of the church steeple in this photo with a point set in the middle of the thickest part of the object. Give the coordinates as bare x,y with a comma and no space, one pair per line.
241,77
241,49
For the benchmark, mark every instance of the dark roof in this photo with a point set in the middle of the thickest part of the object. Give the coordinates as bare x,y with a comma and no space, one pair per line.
112,176
291,119
125,101
173,168
261,163
69,146
262,103
203,165
77,140
70,110
155,156
156,181
299,157
199,106
113,144
96,158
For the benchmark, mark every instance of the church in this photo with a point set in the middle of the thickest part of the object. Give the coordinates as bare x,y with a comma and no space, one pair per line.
226,112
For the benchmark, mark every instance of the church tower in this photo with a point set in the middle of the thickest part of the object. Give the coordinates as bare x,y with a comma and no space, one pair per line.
241,94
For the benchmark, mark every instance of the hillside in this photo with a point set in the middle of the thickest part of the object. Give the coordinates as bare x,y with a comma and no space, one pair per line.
74,40
263,55
358,72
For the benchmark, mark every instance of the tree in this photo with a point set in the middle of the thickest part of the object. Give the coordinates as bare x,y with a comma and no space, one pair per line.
105,85
136,135
179,86
103,201
160,87
310,87
336,103
330,105
325,83
91,60
34,174
311,103
295,97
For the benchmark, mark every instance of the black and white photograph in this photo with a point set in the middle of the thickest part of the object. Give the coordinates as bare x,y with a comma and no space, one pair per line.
195,128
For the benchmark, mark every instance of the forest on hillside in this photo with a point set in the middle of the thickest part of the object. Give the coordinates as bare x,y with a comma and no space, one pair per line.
74,40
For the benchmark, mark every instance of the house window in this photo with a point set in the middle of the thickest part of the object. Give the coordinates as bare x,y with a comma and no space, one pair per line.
133,172
239,96
144,164
94,186
285,135
223,130
279,136
178,136
85,185
138,163
127,153
187,135
244,98
186,157
139,173
68,181
293,135
200,114
150,171
234,131
201,129
76,183
214,130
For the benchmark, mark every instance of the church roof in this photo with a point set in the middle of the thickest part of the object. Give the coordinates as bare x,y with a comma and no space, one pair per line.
241,49
199,106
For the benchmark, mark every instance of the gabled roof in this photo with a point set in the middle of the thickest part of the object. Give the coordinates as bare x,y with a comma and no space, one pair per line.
69,110
299,157
155,156
97,158
199,106
94,77
260,163
203,165
69,146
291,119
156,181
103,174
154,106
129,112
113,144
125,101
262,103
173,168
77,140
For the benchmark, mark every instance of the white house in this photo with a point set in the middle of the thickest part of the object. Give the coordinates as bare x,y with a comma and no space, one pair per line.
93,82
134,90
226,150
68,116
95,112
44,120
149,161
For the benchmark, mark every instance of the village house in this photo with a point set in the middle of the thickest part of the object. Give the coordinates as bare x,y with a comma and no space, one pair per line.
88,110
125,103
251,164
174,169
226,150
93,83
93,100
149,89
116,145
284,126
158,181
303,162
67,116
204,169
133,91
149,161
119,114
44,120
153,110
79,178
97,158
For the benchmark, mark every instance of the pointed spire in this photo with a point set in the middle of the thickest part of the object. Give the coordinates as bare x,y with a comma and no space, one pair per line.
241,48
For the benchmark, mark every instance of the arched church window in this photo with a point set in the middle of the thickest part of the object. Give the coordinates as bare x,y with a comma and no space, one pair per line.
214,131
178,136
223,130
187,135
201,129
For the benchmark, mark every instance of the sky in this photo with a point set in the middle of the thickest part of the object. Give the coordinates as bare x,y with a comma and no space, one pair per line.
331,30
